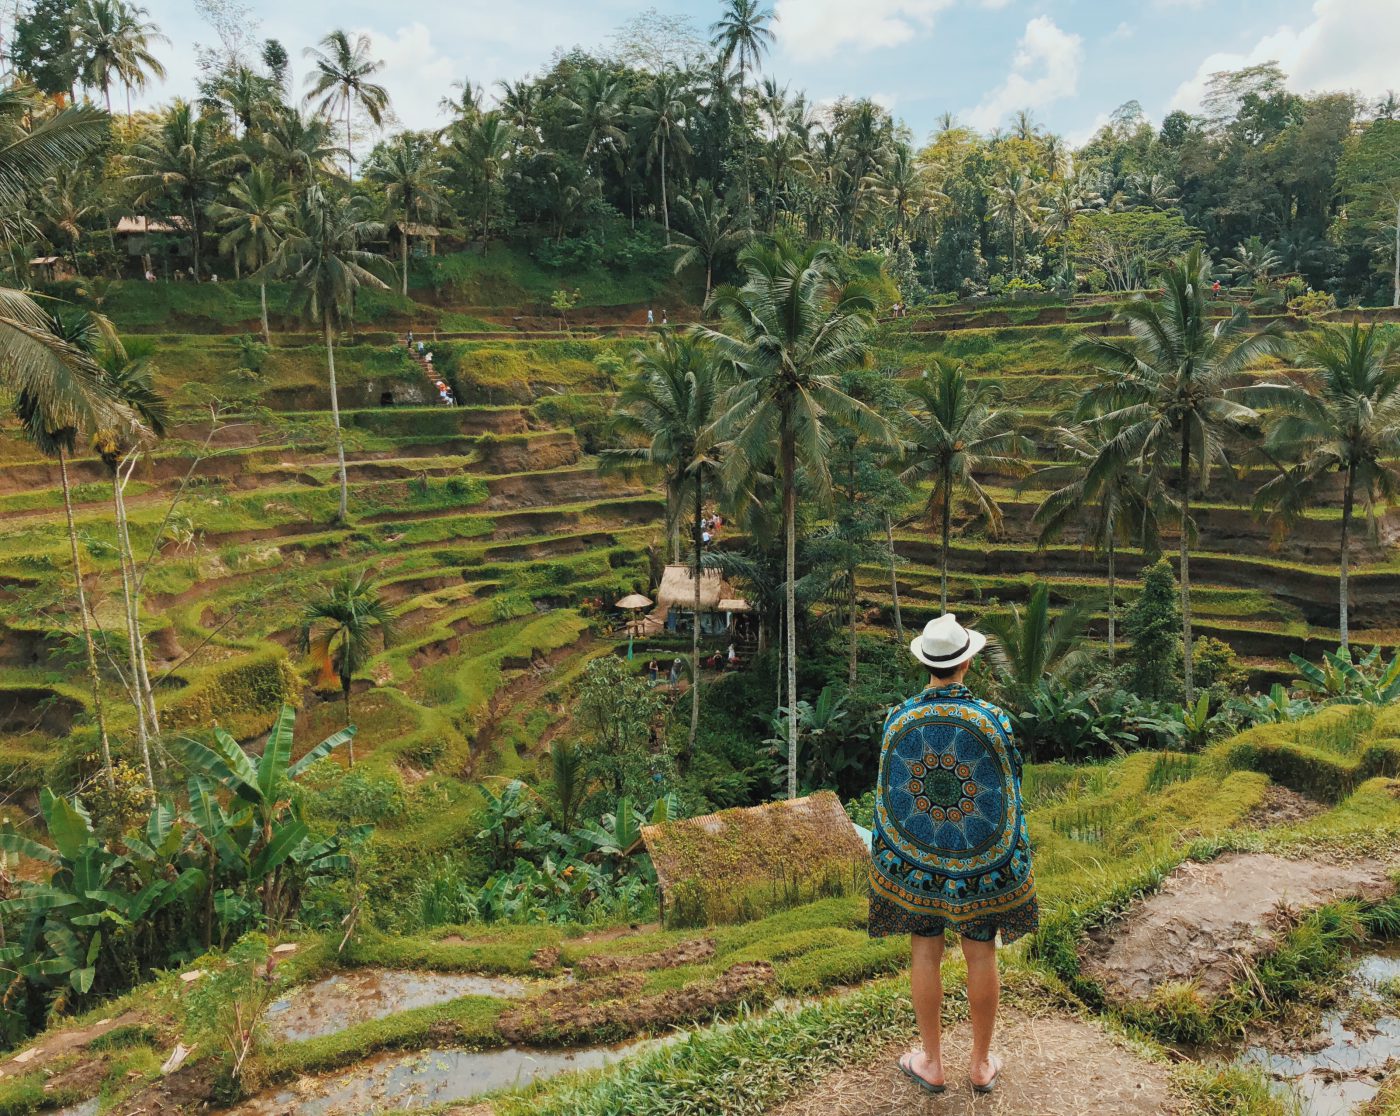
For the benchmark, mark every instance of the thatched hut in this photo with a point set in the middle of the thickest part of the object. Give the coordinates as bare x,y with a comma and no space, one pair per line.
675,602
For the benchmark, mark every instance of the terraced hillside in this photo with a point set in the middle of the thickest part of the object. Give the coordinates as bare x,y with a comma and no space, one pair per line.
494,531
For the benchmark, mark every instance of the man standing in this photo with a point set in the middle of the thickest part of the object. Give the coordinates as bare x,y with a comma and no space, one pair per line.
950,850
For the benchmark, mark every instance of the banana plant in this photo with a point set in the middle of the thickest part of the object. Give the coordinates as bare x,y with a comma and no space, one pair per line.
1369,681
263,830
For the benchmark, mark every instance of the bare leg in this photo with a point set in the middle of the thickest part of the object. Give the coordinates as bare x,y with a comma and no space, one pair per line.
926,988
983,992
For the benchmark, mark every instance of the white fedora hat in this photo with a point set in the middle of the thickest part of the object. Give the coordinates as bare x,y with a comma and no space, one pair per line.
944,643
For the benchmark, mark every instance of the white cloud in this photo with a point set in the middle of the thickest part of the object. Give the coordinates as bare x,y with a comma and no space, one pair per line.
996,5
1122,32
414,72
1045,69
809,29
1350,44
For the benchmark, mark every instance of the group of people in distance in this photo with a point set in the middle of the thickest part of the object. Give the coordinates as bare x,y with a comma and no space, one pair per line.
445,395
651,317
899,310
727,659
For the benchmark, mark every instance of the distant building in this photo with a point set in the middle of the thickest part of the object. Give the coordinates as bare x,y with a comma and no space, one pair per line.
155,239
675,603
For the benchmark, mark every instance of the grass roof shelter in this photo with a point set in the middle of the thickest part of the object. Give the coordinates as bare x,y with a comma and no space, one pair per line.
675,602
748,862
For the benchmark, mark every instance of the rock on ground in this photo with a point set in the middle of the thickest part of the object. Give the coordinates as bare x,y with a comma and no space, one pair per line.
1208,918
1052,1066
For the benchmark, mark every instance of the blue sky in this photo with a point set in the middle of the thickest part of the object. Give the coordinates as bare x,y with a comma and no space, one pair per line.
1070,61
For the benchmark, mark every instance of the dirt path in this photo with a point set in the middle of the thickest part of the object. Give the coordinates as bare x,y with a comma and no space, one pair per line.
1208,918
1054,1066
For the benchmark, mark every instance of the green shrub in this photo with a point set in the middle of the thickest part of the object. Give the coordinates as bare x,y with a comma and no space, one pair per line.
243,695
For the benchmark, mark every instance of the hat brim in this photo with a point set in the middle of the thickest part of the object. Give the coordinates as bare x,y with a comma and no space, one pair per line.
976,641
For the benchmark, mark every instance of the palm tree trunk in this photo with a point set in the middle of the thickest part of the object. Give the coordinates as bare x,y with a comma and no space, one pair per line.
344,513
790,593
403,247
943,554
194,240
1112,604
894,580
93,679
852,656
138,697
1343,593
262,295
709,275
143,669
1185,475
1395,300
349,149
665,207
345,685
695,632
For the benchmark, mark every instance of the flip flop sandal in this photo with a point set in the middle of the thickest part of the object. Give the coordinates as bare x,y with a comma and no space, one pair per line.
992,1083
922,1082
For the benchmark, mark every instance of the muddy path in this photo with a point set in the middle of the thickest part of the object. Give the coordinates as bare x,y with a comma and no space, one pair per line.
1053,1066
1208,919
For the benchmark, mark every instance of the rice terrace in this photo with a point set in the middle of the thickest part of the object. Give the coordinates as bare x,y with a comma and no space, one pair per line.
549,593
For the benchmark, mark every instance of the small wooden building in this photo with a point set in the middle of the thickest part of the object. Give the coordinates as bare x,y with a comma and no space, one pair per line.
675,602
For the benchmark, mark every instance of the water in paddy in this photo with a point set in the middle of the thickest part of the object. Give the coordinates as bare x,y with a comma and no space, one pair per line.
344,999
1339,1069
430,1077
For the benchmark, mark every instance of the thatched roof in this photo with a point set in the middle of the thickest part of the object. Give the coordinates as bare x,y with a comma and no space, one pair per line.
633,600
740,863
678,589
139,226
732,604
428,232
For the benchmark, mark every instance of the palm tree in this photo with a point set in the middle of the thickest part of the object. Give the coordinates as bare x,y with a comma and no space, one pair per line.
1014,200
180,160
1253,261
1344,419
56,386
521,103
131,378
595,109
338,627
411,173
1033,647
254,220
661,113
299,147
742,34
955,430
322,258
713,231
1068,198
900,184
340,79
1106,493
1154,191
114,42
790,332
486,146
672,403
1169,392
54,430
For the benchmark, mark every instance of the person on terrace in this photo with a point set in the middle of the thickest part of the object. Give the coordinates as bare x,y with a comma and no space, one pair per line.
950,850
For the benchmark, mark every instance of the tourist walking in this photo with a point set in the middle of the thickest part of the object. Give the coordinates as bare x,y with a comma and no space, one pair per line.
949,849
653,672
675,672
651,318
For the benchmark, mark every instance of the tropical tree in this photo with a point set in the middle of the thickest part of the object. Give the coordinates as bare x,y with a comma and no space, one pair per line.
789,333
743,35
321,256
340,80
411,172
1170,392
131,378
52,411
181,160
1343,418
299,147
672,402
1066,200
595,107
485,145
712,231
1107,494
113,40
955,428
661,114
254,220
338,627
1034,647
1015,200
1253,261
